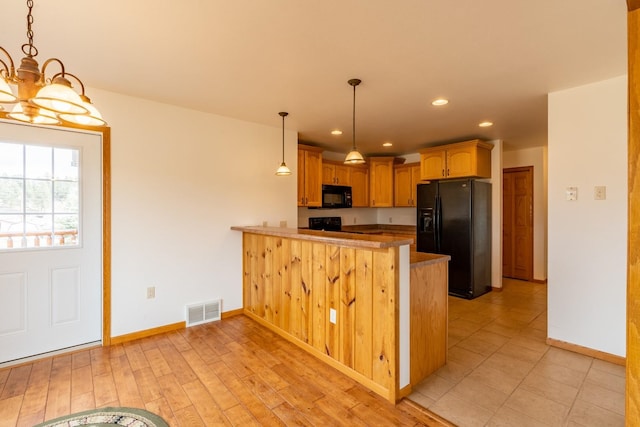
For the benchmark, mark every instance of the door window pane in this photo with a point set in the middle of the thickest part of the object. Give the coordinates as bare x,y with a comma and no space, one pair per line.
38,162
38,196
40,208
11,195
11,164
65,197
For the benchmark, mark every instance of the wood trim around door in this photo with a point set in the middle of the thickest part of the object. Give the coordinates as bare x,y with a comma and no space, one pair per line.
106,227
106,236
632,399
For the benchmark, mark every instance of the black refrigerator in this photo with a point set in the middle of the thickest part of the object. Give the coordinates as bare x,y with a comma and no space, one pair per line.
454,218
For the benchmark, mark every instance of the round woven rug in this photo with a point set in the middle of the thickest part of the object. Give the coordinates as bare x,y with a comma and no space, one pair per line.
105,417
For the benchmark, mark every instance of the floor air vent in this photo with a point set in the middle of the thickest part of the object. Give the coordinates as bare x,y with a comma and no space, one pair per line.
203,312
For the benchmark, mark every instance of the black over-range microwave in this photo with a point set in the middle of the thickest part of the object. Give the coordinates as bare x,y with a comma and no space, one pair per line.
336,196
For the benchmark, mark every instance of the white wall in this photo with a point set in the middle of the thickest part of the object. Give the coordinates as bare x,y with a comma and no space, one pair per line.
180,179
536,157
587,237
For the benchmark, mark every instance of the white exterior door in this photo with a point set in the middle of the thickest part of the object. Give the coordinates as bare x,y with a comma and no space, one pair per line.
50,239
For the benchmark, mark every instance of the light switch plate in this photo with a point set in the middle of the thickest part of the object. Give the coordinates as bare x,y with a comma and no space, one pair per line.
600,192
332,315
572,193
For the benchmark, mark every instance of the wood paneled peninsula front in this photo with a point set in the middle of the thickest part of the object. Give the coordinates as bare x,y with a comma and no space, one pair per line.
364,304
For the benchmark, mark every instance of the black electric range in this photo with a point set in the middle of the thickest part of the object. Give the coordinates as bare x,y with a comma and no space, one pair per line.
326,223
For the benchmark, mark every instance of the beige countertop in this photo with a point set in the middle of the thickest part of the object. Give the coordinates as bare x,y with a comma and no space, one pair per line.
364,240
419,259
329,237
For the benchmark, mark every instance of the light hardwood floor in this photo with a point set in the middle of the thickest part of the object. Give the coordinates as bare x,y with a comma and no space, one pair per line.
233,372
501,372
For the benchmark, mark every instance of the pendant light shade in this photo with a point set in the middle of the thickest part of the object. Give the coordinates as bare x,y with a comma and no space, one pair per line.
33,115
6,95
59,98
283,170
354,157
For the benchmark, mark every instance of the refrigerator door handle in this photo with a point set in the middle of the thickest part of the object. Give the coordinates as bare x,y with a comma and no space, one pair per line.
438,224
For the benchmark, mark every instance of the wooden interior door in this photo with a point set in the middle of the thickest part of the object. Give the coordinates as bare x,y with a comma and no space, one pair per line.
517,227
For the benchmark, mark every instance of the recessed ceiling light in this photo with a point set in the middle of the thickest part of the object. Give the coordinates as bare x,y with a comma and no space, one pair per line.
336,132
440,101
485,124
387,144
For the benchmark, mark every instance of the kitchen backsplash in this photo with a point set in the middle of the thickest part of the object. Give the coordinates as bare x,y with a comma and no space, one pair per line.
402,216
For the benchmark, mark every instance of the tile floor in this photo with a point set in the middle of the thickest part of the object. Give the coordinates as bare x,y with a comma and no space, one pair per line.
500,371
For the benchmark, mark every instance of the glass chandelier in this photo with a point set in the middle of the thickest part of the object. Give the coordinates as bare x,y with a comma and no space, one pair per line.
42,100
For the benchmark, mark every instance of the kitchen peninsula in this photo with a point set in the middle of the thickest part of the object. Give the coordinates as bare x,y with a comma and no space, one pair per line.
364,304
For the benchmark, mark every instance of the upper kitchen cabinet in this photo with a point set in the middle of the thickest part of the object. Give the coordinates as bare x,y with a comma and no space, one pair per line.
309,176
381,181
406,178
335,173
468,159
359,186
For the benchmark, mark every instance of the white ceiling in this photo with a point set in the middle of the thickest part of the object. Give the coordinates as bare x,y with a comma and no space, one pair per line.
249,59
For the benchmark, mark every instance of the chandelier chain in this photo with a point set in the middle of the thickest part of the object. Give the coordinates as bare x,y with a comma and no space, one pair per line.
28,48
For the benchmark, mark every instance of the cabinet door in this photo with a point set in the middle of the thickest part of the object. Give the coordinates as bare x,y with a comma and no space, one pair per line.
402,194
301,174
342,175
313,178
328,173
461,162
360,187
381,183
433,164
406,178
415,179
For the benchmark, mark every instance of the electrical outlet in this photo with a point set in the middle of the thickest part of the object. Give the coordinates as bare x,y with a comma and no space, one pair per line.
600,192
283,223
355,220
571,193
265,224
151,292
390,220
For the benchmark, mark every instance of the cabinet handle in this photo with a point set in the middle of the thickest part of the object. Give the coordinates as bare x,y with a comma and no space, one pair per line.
448,172
442,172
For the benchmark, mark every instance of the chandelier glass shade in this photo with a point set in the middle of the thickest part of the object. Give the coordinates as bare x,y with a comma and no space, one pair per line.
283,170
38,99
354,157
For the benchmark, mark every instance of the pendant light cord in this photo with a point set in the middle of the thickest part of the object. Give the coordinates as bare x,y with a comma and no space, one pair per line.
283,115
354,83
354,117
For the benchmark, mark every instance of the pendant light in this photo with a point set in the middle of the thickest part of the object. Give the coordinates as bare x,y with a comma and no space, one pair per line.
283,170
354,157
